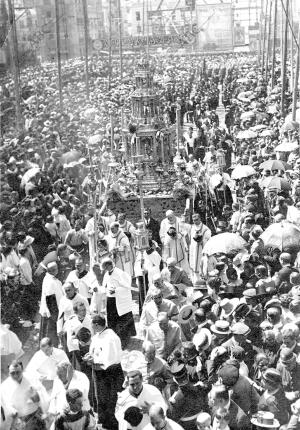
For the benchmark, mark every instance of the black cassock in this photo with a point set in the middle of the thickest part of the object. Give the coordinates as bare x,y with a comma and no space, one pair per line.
223,196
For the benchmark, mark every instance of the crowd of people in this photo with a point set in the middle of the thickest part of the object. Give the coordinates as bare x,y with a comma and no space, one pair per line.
218,287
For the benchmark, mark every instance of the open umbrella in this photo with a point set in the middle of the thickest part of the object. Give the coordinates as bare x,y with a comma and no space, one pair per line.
282,235
266,133
70,156
246,134
287,146
248,114
273,165
259,127
242,171
31,173
96,138
289,117
279,184
224,243
289,126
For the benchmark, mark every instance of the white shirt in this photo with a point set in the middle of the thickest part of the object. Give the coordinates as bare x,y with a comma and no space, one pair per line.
44,365
58,401
9,342
17,396
72,327
148,394
106,348
82,284
119,282
171,425
66,309
51,286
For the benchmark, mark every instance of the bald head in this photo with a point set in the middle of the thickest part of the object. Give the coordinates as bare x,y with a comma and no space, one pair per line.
148,347
156,410
163,321
52,268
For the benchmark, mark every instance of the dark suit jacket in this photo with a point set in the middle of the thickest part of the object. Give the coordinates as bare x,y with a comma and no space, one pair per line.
154,226
238,420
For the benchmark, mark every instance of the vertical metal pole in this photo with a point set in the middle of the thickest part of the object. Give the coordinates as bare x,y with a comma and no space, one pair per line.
120,39
124,140
296,79
264,37
274,44
58,56
15,63
269,41
260,33
147,14
138,150
109,47
112,143
86,47
284,59
291,47
178,128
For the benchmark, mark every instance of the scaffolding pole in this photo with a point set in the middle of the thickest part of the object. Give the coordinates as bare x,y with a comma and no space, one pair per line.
264,37
58,54
269,41
274,45
284,59
15,64
296,79
110,47
86,47
120,39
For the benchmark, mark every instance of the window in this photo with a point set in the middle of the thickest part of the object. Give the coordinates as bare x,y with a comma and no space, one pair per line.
137,16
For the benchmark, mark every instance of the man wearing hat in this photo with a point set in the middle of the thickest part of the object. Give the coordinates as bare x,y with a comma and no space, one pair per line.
243,392
265,420
221,332
289,369
239,332
220,398
188,401
273,399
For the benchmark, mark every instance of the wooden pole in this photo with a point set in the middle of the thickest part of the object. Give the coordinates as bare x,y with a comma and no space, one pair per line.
110,47
274,45
264,37
86,47
120,39
58,56
269,41
284,59
296,79
15,64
